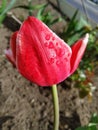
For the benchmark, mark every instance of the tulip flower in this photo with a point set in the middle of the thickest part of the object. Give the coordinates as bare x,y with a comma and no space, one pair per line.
41,56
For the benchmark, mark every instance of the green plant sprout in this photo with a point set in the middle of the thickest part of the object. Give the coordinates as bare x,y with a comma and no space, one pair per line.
4,8
83,76
93,124
42,14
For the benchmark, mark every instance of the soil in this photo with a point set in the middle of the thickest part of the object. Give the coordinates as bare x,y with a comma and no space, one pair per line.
26,106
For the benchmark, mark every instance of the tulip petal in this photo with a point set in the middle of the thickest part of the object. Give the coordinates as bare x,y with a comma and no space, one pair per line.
42,57
77,52
13,44
11,53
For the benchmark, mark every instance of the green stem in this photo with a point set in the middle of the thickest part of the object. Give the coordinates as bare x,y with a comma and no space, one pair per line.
56,107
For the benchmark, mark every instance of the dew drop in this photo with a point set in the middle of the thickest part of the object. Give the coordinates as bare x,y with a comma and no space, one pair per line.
66,59
60,52
46,44
51,60
47,37
53,38
51,44
54,55
68,54
57,44
58,62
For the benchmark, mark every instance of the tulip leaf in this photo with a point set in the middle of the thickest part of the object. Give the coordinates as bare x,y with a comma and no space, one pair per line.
10,5
4,9
3,6
94,118
2,17
41,11
92,125
82,22
72,22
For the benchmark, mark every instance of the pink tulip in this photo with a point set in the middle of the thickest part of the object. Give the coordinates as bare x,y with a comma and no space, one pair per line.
41,56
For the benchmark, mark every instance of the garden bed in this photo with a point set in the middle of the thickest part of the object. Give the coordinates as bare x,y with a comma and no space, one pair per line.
26,106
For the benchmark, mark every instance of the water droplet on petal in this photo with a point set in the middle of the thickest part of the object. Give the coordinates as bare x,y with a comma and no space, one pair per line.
68,54
53,38
60,51
57,44
66,59
51,44
46,44
54,55
58,62
47,37
51,60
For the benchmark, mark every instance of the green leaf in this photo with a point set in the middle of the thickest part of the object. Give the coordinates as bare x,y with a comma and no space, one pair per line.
81,23
2,18
5,9
41,11
3,5
56,20
93,127
94,118
72,22
10,5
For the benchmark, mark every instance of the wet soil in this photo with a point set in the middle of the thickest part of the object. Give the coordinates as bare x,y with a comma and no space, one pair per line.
26,106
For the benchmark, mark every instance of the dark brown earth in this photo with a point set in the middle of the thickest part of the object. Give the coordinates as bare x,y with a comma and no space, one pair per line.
26,106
